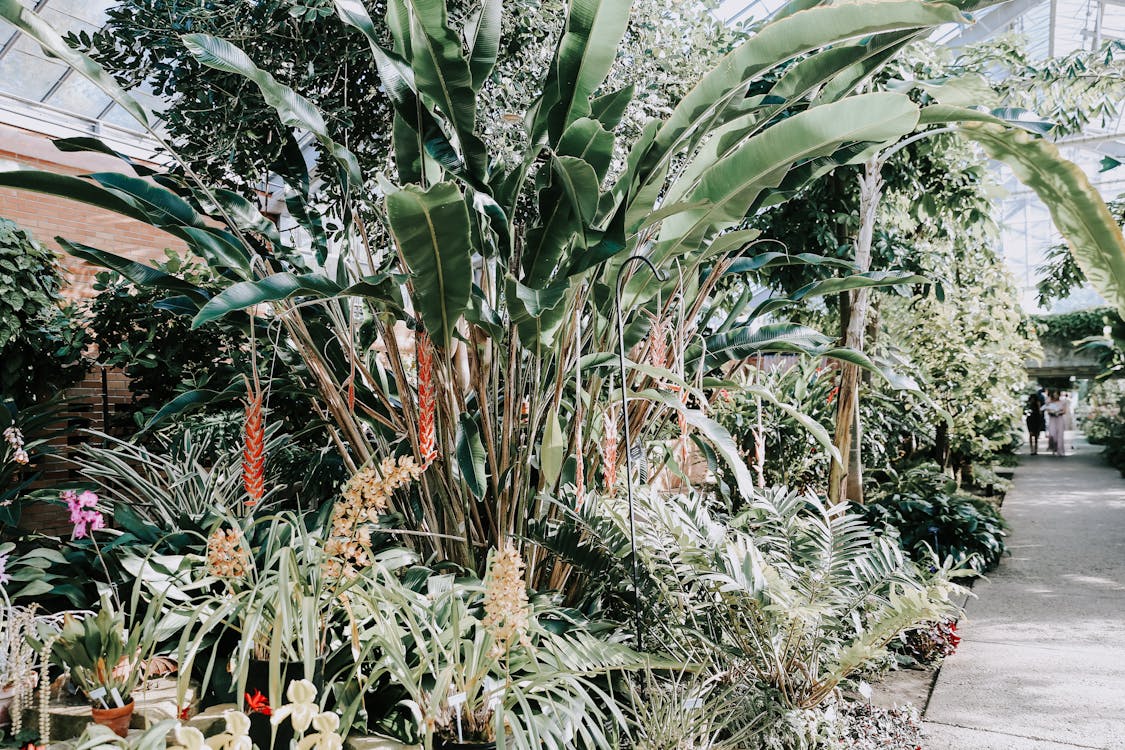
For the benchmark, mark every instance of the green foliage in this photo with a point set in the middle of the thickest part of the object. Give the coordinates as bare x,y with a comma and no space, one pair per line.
1067,328
41,339
928,516
159,351
789,594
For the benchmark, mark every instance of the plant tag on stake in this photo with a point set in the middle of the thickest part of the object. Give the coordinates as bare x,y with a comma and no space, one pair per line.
693,703
116,697
99,696
455,702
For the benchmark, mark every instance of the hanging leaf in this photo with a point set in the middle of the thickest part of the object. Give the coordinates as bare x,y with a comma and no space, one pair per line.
431,228
551,451
471,457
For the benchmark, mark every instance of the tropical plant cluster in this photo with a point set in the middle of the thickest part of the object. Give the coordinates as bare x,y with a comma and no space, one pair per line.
508,394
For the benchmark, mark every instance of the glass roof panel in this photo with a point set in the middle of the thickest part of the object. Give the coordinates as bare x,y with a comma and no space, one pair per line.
76,94
29,75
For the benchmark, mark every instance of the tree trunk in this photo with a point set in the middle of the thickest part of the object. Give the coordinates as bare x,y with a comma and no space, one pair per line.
845,481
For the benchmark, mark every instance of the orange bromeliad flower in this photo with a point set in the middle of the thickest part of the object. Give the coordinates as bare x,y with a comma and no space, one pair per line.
254,449
427,405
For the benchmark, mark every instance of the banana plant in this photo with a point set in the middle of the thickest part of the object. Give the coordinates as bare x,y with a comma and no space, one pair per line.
501,274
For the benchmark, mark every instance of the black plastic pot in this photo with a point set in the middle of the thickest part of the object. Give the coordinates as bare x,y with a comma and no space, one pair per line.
258,681
467,745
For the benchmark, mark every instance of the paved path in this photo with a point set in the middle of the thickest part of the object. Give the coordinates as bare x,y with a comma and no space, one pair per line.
1042,663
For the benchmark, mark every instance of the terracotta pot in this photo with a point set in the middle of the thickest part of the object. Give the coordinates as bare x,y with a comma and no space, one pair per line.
117,719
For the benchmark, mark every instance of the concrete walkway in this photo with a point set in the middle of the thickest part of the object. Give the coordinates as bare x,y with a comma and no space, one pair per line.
1042,661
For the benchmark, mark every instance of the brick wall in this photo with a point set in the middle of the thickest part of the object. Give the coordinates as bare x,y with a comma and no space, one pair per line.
46,217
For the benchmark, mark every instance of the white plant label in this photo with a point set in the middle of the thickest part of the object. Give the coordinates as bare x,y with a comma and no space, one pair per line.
98,695
455,701
116,697
693,704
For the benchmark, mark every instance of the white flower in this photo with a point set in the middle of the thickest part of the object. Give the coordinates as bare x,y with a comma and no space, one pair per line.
326,736
189,738
237,736
21,457
301,708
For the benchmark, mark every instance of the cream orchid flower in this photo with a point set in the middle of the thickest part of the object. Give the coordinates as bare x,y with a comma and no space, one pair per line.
326,736
189,738
301,707
237,736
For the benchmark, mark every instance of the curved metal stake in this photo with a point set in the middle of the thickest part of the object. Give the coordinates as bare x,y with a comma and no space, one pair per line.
628,438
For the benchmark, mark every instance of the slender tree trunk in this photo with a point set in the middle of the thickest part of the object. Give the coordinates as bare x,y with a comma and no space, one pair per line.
845,480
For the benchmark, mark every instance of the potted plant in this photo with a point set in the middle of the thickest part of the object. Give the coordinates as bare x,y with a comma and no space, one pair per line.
105,660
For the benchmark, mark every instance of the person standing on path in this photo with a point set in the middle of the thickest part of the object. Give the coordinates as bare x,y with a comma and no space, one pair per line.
1035,421
1057,411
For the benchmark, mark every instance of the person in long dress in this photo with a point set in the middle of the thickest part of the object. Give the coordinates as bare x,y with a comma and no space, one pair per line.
1057,411
1035,421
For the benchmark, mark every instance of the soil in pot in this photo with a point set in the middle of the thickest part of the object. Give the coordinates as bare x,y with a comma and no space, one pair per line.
117,719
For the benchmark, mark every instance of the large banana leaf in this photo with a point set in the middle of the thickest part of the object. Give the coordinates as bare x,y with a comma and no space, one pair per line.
294,110
442,74
432,230
779,42
1077,208
733,179
748,341
586,51
836,285
484,40
282,286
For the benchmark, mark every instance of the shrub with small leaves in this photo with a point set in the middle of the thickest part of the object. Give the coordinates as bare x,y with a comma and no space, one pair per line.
41,339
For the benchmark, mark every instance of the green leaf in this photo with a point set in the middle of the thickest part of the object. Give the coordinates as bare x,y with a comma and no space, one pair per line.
552,451
733,179
580,183
431,228
1077,208
72,188
442,74
537,313
779,42
585,54
294,110
484,41
138,273
471,457
836,285
746,341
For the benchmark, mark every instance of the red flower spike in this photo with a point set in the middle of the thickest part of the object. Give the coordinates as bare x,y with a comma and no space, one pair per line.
258,704
254,450
427,403
184,713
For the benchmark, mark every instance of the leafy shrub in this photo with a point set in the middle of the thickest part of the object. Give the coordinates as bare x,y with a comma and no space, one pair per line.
160,352
789,597
41,339
927,515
